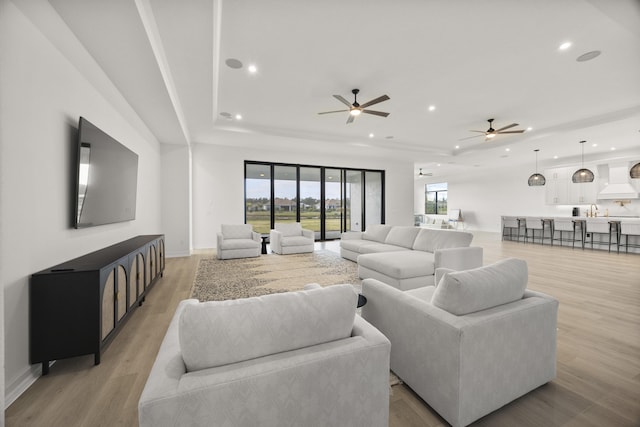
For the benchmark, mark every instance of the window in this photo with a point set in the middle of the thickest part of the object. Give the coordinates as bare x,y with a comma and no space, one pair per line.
436,199
326,200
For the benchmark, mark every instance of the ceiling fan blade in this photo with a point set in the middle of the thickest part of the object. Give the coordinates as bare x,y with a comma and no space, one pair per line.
470,137
507,127
479,131
341,99
511,131
375,101
351,118
375,113
336,111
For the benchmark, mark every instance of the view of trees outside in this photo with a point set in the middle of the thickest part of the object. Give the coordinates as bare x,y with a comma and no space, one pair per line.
436,199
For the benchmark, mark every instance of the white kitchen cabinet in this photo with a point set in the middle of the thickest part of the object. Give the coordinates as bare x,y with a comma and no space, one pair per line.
557,190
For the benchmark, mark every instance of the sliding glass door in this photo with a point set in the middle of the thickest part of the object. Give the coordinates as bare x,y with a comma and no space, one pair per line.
326,200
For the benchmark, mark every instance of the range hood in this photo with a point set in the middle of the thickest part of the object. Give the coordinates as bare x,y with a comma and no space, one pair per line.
619,186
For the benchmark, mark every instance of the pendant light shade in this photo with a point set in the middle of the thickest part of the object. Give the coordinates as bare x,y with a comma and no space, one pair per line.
536,179
582,174
635,171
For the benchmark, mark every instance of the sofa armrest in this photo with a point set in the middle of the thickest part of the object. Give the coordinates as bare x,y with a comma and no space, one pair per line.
256,236
351,235
309,234
458,258
167,370
275,241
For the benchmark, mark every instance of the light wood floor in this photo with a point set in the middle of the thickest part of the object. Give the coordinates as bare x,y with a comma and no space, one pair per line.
598,381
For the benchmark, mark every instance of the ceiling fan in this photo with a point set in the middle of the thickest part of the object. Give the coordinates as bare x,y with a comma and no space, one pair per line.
491,132
422,174
355,109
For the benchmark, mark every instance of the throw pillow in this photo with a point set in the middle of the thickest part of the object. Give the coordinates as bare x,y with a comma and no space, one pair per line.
468,291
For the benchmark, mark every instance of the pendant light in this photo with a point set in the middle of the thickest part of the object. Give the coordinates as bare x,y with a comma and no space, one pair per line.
536,179
635,171
582,174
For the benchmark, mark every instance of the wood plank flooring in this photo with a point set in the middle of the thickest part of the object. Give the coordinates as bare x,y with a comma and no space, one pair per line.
598,381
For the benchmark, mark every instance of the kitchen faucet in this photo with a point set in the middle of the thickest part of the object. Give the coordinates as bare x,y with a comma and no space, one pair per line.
591,213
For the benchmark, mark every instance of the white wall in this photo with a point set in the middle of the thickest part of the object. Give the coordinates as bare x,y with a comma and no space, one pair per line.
218,183
485,197
42,96
176,200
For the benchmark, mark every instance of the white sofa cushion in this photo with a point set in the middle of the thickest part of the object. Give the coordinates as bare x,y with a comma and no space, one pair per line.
217,333
288,229
399,264
430,240
237,231
376,232
464,292
402,236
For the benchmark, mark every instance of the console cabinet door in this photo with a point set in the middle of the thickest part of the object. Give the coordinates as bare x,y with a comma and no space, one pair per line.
121,291
108,306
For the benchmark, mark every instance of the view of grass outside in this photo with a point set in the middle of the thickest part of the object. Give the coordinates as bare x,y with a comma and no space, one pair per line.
261,220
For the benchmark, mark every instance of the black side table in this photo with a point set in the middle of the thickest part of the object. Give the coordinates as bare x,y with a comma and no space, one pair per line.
264,244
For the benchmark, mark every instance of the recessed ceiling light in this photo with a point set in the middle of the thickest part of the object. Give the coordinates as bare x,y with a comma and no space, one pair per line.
371,135
588,56
507,149
529,129
432,107
238,117
233,63
438,164
252,69
565,46
613,148
594,145
457,147
555,157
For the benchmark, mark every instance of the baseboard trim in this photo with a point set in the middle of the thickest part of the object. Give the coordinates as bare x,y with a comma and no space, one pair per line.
22,383
177,254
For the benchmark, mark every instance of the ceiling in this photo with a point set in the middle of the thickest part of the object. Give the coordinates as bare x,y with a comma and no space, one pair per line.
473,60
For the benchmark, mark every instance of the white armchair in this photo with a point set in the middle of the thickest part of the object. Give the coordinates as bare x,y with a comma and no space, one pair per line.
472,344
290,238
238,241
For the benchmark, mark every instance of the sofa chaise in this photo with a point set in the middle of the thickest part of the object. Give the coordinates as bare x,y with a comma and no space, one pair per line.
291,359
407,257
472,344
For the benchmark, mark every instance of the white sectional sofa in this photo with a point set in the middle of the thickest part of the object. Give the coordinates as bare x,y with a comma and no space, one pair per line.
472,344
407,257
291,359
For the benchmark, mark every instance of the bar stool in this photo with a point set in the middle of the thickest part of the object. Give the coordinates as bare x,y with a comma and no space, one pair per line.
533,224
602,226
582,225
568,225
510,223
547,223
629,229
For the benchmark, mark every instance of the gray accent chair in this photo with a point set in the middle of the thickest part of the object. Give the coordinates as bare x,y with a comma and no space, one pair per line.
238,241
472,344
290,238
299,359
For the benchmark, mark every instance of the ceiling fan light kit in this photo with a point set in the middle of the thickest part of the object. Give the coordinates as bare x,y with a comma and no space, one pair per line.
582,175
356,109
537,179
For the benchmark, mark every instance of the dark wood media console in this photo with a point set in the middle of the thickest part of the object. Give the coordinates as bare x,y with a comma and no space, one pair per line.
77,307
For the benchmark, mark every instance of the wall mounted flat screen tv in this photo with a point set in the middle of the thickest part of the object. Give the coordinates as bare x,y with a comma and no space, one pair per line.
106,179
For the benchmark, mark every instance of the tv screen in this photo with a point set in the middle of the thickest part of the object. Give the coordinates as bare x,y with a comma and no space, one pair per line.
106,179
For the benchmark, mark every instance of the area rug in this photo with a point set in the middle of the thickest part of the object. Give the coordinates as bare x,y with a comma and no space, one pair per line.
218,280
